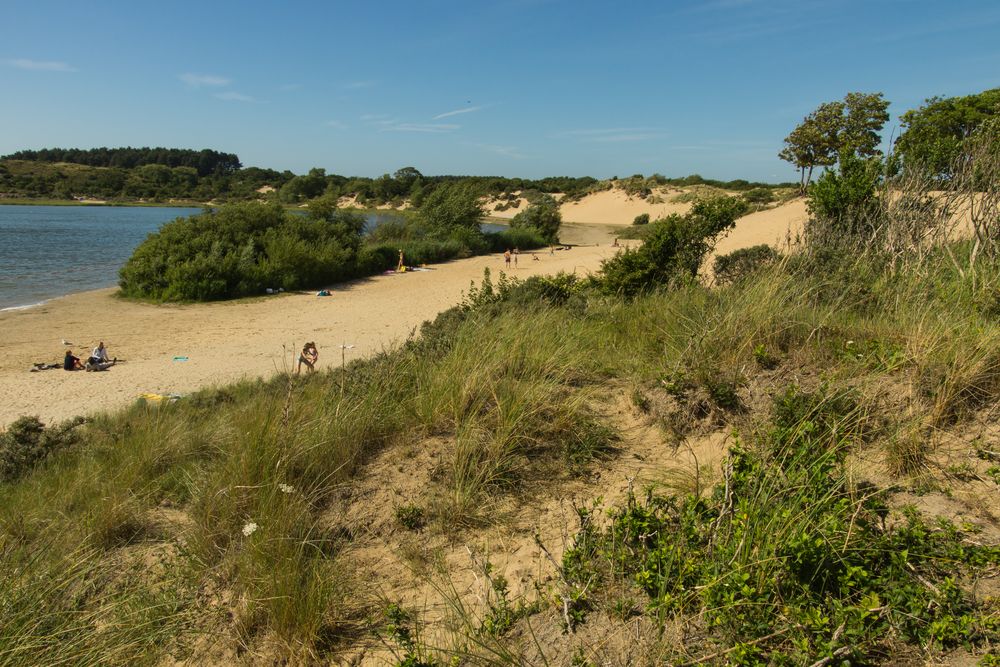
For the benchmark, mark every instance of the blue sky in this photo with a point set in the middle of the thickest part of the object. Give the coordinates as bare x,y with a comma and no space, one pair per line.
515,87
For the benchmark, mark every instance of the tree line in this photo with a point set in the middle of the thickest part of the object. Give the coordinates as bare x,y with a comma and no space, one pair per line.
204,162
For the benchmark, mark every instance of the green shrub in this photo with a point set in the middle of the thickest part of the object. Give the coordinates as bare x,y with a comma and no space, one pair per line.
545,218
845,203
641,219
411,516
759,196
741,263
26,442
524,238
674,248
240,250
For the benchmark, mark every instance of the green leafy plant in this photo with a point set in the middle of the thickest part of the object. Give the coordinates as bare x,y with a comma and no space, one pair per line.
411,517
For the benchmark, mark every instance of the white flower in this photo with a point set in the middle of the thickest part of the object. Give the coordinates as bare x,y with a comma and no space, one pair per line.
850,343
286,488
249,529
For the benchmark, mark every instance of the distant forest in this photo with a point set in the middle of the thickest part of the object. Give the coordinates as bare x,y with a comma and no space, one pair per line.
172,174
205,161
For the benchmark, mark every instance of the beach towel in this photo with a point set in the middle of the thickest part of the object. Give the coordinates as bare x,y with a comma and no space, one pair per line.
156,398
180,358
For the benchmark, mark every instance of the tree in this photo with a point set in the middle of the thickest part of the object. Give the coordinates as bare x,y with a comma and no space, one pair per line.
406,176
451,206
544,217
814,142
675,247
851,125
933,135
308,186
865,114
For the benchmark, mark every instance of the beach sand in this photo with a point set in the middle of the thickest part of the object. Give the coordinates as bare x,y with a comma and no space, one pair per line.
227,341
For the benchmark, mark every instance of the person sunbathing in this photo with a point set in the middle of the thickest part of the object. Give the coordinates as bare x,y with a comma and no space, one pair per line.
98,360
71,363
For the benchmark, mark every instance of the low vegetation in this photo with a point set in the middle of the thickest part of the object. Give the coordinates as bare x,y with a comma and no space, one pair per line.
814,432
244,249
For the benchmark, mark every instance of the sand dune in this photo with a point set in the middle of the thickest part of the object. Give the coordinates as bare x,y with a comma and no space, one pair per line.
618,208
772,226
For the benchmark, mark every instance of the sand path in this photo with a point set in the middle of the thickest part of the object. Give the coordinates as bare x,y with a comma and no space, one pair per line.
227,341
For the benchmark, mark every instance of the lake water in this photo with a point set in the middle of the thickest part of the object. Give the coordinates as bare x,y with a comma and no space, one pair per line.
51,251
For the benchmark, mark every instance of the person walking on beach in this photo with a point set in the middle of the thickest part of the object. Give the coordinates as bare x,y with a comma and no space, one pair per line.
402,265
506,257
309,356
516,253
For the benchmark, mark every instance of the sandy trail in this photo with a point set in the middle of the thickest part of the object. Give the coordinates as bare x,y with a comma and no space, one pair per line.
228,341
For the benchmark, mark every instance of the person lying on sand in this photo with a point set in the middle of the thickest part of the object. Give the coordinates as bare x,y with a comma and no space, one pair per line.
71,363
309,356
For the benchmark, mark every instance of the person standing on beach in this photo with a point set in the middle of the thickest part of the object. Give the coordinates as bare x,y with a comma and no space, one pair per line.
516,253
506,257
402,265
309,356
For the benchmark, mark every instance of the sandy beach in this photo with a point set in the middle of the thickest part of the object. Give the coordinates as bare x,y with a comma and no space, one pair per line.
224,342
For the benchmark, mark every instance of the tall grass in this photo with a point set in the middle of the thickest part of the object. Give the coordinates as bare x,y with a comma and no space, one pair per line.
230,486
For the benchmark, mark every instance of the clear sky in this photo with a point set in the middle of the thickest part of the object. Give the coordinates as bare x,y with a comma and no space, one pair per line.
508,87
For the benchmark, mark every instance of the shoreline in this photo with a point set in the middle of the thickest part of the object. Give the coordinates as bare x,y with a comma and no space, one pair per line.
13,201
181,348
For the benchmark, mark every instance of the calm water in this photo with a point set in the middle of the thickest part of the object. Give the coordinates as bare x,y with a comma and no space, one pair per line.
51,251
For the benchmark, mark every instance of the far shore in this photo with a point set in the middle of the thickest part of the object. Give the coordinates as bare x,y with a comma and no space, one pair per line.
16,201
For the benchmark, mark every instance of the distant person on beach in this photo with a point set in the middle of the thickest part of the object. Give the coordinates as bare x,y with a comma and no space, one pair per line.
98,360
516,253
401,266
615,244
99,355
71,363
552,249
506,257
309,356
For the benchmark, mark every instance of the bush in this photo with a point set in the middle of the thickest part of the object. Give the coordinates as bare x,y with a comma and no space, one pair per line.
523,238
450,206
674,248
845,203
641,219
759,196
26,442
240,250
543,217
739,264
